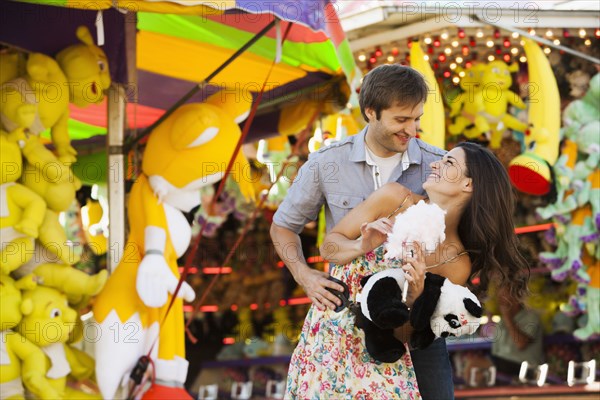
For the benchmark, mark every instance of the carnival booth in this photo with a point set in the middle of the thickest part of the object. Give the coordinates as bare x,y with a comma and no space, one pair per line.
163,103
522,80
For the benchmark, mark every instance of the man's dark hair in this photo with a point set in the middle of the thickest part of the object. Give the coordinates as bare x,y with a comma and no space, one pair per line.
391,84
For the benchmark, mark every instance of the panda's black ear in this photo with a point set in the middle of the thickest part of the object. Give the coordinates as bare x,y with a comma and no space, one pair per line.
473,307
425,304
364,280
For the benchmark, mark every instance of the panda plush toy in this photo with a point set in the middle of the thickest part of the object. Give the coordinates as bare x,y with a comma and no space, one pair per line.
443,309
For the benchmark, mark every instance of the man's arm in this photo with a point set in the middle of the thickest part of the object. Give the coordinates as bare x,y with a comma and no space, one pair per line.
314,282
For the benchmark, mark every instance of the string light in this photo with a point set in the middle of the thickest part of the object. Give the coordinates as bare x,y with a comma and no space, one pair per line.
496,34
515,35
427,40
453,66
514,51
448,50
479,34
447,74
506,58
462,73
456,80
532,32
490,43
378,52
556,42
549,33
588,42
426,57
597,32
547,50
444,35
455,43
461,33
436,42
491,58
506,42
395,51
566,33
472,42
582,33
390,58
468,65
523,59
459,60
362,57
442,57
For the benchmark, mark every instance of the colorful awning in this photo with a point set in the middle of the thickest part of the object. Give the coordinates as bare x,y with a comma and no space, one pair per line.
179,43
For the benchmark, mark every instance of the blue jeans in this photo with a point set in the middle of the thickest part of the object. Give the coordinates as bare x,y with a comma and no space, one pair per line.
434,371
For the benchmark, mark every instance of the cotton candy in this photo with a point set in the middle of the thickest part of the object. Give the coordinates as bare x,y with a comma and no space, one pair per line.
422,223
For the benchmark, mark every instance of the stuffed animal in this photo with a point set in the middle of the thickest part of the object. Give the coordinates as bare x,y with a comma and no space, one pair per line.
530,171
21,211
21,361
468,108
48,324
433,123
381,310
187,151
497,96
443,309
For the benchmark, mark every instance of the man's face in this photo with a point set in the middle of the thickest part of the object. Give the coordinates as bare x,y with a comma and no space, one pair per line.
394,129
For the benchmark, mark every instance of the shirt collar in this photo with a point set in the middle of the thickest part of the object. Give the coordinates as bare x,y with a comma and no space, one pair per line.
359,150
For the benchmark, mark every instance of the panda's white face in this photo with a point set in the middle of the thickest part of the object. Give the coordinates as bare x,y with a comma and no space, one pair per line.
457,313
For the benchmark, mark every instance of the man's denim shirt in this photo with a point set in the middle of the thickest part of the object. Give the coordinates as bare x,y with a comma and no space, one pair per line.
339,177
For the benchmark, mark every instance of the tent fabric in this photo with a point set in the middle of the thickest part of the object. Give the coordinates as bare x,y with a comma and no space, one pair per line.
179,43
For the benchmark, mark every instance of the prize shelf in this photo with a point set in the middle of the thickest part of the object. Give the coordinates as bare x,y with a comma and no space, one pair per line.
471,343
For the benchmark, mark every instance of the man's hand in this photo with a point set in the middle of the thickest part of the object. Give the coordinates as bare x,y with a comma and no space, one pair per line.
315,284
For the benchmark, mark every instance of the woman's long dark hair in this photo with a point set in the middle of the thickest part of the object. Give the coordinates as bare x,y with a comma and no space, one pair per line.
486,227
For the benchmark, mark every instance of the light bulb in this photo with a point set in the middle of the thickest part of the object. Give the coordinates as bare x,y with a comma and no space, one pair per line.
491,58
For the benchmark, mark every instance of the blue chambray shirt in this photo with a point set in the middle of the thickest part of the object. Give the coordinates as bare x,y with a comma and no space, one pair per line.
339,177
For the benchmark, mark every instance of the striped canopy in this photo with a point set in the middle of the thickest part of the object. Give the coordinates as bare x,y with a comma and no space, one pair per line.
179,43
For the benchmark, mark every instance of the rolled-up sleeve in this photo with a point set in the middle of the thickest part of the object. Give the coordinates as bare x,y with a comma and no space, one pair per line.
304,198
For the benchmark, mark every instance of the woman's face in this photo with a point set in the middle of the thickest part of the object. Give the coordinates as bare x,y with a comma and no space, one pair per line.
449,175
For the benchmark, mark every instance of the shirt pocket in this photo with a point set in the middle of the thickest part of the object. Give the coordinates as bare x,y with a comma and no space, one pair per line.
341,204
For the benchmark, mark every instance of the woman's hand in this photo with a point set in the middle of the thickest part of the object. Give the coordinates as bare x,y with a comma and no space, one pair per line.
414,270
374,234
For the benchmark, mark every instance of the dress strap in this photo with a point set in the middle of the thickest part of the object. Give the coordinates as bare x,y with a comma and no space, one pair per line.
401,205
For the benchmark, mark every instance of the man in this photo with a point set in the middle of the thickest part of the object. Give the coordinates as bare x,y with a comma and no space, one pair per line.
343,174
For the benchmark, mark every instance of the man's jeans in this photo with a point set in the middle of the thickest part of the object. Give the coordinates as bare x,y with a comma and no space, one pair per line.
434,372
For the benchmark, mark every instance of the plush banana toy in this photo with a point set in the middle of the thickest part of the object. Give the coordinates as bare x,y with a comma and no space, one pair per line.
530,171
187,151
433,129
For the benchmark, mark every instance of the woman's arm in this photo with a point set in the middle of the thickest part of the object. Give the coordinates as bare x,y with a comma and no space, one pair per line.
369,221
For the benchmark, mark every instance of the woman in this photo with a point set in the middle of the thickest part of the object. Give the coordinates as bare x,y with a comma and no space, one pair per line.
471,185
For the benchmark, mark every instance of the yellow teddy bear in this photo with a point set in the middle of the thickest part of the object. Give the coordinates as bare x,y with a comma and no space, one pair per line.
189,150
21,211
21,362
497,96
49,325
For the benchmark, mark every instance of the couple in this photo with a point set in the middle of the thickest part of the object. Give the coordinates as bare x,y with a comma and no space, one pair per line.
330,361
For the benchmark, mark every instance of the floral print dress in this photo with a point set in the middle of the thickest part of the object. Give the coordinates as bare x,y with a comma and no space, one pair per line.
331,361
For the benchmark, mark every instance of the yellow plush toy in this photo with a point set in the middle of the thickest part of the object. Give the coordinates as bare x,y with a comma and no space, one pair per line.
21,362
86,66
189,150
48,324
530,171
21,210
497,96
467,109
